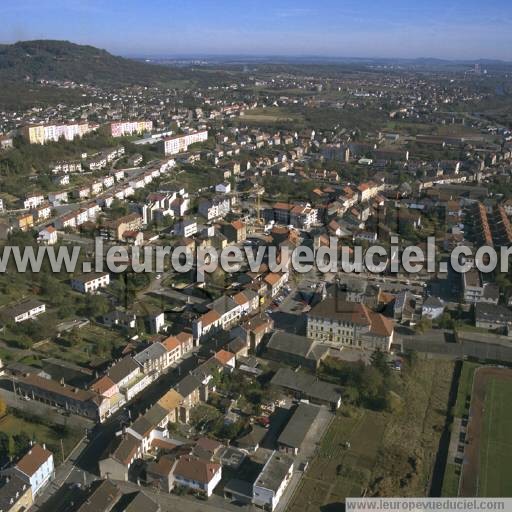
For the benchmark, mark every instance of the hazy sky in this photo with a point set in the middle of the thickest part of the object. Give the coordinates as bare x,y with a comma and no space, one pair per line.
467,29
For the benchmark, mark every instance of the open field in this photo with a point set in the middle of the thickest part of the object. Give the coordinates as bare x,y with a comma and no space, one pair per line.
338,471
488,450
42,433
461,410
390,454
464,390
271,115
496,446
89,345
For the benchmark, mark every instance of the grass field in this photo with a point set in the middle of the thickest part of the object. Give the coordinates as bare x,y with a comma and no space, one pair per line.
464,389
271,115
496,445
390,453
462,403
41,433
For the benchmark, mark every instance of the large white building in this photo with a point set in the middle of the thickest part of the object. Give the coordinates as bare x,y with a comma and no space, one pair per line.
26,310
123,128
180,143
214,208
90,283
43,133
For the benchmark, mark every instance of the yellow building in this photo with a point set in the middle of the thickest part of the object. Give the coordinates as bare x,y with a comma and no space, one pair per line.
25,222
34,133
15,495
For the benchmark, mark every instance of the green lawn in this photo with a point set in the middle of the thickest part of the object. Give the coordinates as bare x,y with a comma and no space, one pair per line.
496,445
452,471
42,433
464,389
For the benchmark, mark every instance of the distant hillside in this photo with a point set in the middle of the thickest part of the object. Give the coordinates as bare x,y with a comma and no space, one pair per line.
62,60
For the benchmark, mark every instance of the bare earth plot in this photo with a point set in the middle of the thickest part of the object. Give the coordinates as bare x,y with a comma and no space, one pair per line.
488,453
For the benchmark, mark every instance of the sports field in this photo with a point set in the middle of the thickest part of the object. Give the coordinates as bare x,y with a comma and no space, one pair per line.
496,442
488,448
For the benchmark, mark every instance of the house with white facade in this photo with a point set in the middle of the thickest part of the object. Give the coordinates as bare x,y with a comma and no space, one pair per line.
36,467
90,283
271,483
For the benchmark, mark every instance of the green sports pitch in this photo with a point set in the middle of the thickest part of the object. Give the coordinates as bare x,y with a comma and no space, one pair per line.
495,478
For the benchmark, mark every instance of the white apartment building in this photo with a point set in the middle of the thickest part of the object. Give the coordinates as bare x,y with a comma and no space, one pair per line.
23,311
90,283
180,143
33,201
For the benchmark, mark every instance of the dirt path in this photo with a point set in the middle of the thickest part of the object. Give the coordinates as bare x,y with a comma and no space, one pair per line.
471,465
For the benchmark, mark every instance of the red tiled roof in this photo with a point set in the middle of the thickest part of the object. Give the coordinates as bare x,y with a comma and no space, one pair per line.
33,460
224,357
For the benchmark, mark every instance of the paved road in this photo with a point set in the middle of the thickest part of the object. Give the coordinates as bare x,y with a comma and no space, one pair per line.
85,460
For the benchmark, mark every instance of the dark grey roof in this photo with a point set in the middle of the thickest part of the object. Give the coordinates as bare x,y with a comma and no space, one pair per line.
22,307
492,313
12,490
206,369
152,353
299,425
433,302
491,291
142,503
296,345
223,304
102,499
143,426
274,471
187,386
122,369
307,384
252,438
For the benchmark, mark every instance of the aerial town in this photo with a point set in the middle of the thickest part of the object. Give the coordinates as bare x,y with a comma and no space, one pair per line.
262,388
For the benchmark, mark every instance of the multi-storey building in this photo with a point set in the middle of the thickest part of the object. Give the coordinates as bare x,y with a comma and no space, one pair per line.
90,283
123,128
339,324
42,133
36,467
180,143
214,208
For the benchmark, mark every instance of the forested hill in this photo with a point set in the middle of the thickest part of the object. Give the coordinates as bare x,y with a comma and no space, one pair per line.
62,60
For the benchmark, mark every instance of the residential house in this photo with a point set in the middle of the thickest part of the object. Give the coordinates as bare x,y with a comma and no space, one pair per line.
432,308
48,236
272,481
36,468
197,474
15,495
26,310
235,231
90,283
